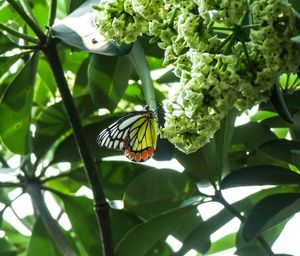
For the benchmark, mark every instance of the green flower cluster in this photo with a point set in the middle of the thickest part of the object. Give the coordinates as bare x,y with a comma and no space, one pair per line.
222,63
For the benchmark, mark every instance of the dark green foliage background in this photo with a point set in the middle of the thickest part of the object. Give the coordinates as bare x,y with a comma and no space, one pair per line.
157,202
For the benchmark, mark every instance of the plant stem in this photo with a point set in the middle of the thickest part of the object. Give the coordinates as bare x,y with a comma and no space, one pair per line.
17,33
223,28
219,198
9,185
33,188
35,28
52,13
3,161
101,205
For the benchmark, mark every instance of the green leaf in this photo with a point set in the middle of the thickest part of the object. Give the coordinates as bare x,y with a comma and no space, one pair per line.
205,168
295,4
6,248
52,123
107,80
136,244
157,191
244,135
87,37
45,74
5,43
40,10
121,222
67,150
168,77
270,211
250,250
260,175
284,150
7,62
81,80
84,223
279,103
41,242
15,109
296,39
223,244
141,66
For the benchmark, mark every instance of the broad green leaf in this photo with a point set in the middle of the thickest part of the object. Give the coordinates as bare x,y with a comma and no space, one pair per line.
40,11
6,63
296,39
6,248
261,115
87,38
81,80
244,135
15,237
168,77
139,240
260,175
160,249
182,233
250,250
53,123
1,217
270,236
84,223
116,175
107,79
275,122
45,74
67,150
157,191
15,109
296,6
5,43
121,222
206,165
41,242
284,150
270,211
223,244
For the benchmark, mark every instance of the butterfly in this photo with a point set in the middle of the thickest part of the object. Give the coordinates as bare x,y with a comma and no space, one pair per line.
135,134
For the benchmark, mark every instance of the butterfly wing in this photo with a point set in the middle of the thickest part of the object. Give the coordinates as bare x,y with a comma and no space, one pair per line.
135,134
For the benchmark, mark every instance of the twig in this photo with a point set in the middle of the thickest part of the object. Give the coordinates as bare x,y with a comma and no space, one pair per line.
52,13
34,190
219,198
101,206
17,33
35,28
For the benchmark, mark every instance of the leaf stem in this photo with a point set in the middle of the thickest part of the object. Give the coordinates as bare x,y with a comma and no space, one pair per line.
9,185
33,188
219,198
35,28
3,161
52,13
17,33
101,205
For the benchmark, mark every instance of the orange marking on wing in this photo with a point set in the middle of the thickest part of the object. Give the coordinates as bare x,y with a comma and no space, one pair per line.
131,156
126,151
150,151
145,155
138,157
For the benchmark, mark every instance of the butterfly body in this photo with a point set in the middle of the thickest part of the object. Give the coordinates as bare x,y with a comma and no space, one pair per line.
135,134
